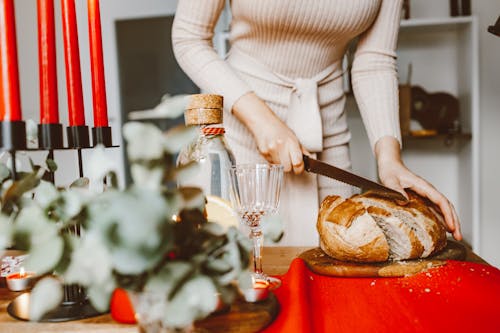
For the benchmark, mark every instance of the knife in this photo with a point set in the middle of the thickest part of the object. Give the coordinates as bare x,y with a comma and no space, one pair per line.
347,177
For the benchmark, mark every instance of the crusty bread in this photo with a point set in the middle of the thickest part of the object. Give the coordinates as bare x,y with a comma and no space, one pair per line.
370,228
353,236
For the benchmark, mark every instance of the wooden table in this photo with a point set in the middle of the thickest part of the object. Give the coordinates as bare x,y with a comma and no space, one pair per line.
276,262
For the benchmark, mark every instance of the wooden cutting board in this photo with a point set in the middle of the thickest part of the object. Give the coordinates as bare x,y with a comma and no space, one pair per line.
320,263
241,317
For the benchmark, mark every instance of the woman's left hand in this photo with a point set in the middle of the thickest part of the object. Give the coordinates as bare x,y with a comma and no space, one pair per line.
394,174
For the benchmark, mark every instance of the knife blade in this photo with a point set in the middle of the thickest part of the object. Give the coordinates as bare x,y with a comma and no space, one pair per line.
324,169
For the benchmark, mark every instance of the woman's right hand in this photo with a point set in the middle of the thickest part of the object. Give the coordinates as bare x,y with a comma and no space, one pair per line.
276,142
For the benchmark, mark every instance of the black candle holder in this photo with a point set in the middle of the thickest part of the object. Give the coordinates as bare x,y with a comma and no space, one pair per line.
50,136
78,137
75,304
102,135
13,135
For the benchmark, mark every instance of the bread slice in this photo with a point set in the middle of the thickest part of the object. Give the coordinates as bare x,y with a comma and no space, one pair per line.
403,242
354,237
417,216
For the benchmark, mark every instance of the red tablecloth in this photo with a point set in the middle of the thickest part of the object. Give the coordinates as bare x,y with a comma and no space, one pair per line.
457,297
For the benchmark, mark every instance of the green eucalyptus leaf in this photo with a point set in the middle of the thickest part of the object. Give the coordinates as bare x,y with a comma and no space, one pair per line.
168,278
6,232
91,262
228,293
70,243
32,164
144,141
4,172
80,183
130,261
46,193
150,178
232,258
172,106
196,299
51,165
112,180
191,198
99,164
100,295
18,189
245,280
21,240
273,229
150,306
45,296
32,219
185,173
179,137
219,266
213,229
43,258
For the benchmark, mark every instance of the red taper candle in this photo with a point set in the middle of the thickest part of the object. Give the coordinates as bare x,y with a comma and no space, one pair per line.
72,61
47,63
97,65
10,98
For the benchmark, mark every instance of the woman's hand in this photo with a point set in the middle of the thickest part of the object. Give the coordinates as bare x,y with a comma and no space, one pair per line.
275,141
394,174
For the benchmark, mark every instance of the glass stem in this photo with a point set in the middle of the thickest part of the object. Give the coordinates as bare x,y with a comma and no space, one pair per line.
258,242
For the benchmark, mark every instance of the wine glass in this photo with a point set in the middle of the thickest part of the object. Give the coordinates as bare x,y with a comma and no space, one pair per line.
255,192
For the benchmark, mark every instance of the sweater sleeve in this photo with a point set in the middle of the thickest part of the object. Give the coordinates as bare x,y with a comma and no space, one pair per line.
192,34
374,74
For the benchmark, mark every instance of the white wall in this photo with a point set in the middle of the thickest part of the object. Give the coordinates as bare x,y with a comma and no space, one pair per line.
488,12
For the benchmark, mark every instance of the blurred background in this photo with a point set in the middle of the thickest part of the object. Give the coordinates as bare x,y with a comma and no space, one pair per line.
448,50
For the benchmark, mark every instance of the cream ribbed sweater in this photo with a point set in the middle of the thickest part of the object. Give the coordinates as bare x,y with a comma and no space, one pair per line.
291,40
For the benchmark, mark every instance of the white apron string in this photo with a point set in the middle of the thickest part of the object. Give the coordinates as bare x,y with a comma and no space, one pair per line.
303,116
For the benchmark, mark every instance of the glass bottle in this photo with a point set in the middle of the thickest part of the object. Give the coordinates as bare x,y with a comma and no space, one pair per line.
209,150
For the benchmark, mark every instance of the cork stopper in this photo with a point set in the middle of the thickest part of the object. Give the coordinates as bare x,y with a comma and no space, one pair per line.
204,109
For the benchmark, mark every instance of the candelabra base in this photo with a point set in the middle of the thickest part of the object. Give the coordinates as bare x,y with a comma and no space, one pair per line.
13,135
102,135
78,137
50,136
67,311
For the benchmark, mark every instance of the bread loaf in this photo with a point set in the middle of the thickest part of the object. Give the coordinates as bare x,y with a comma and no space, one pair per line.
370,228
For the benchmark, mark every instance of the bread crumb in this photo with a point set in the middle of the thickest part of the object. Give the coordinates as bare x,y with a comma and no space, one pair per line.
472,269
428,274
311,277
427,290
411,290
373,283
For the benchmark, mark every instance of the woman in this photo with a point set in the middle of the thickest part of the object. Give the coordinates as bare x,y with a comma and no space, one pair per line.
282,84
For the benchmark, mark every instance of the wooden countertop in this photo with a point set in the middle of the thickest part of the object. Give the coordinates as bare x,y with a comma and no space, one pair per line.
276,261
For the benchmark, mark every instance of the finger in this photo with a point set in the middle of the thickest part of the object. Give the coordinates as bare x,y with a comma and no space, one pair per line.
425,189
274,153
297,160
458,230
267,156
306,152
284,156
393,183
